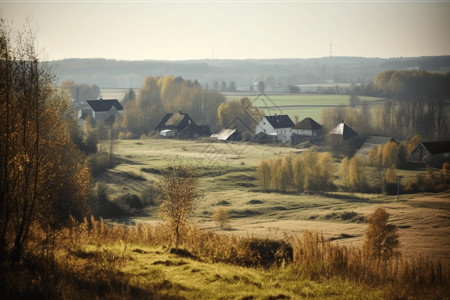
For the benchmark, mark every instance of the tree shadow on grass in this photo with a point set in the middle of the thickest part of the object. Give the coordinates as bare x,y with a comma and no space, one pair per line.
352,198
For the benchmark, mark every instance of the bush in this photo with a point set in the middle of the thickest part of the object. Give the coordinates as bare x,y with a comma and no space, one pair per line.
221,216
103,207
99,162
150,195
264,252
131,201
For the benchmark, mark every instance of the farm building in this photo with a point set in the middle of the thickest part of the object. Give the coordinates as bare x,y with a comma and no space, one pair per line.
105,109
281,125
434,153
372,142
343,130
306,130
227,135
181,125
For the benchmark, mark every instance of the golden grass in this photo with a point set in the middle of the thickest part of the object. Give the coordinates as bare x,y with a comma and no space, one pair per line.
314,257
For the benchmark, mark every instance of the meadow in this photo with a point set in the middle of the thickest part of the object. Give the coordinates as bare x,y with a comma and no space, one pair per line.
275,246
227,178
302,105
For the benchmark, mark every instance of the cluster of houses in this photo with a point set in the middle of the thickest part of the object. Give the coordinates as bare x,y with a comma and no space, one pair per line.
271,129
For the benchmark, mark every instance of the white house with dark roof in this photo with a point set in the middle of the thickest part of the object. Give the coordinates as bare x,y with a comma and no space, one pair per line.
281,125
103,109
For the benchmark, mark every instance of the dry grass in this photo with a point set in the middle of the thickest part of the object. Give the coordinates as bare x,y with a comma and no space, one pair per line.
313,256
93,259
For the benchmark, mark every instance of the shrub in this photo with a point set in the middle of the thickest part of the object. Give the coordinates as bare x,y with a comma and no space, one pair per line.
99,162
264,252
221,216
131,201
150,194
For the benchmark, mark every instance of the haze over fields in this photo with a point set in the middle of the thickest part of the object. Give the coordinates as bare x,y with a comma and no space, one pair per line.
180,30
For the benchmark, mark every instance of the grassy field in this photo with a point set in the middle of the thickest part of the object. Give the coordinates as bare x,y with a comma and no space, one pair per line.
227,178
302,105
190,278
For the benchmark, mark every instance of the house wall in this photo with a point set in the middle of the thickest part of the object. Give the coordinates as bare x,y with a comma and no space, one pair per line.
103,115
303,132
284,134
419,153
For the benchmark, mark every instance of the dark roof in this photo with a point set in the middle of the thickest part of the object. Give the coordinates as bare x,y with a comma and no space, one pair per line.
104,104
379,140
437,147
372,142
280,121
175,121
308,124
344,130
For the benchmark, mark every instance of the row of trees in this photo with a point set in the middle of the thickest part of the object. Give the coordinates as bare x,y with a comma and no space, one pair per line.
159,95
81,92
43,177
401,120
310,171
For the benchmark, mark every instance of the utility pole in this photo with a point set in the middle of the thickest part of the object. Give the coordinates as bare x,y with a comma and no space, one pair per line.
398,187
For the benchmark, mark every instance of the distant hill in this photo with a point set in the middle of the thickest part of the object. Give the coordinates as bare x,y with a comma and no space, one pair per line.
107,73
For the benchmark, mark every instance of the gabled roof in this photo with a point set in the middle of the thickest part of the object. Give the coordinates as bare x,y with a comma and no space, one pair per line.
104,104
225,134
308,124
343,129
379,140
175,121
280,121
372,142
437,147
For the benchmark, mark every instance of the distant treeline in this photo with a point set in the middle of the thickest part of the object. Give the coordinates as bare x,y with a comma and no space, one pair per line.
276,73
418,105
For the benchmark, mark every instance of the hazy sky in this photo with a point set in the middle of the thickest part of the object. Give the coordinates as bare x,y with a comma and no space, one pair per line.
176,30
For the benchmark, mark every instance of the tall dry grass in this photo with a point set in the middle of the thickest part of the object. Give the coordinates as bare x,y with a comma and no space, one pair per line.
74,272
311,256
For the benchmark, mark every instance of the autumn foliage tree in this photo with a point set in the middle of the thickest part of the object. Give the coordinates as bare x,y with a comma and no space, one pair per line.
381,238
43,177
178,194
239,114
354,174
161,95
310,171
383,158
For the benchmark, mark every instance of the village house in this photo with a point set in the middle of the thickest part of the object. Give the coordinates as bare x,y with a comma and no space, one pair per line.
181,125
372,142
306,130
105,109
434,153
279,125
